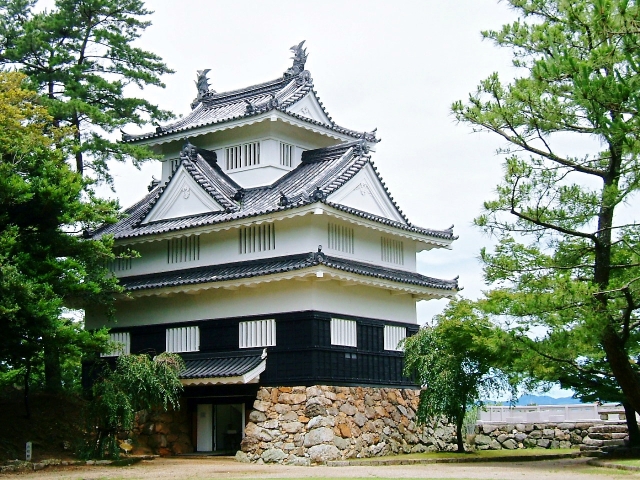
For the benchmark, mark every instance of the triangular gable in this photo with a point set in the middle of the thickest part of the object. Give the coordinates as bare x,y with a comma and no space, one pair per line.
365,192
183,197
310,107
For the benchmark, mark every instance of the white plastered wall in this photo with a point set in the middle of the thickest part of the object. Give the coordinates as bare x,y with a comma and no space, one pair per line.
294,235
277,297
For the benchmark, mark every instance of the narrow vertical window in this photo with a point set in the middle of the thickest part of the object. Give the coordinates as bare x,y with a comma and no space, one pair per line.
183,249
341,238
257,238
239,156
392,250
286,154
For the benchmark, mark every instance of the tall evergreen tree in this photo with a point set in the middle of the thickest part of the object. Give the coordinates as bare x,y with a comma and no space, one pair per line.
80,56
44,264
568,257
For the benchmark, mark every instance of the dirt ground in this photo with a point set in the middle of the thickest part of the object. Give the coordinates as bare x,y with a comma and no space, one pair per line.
222,468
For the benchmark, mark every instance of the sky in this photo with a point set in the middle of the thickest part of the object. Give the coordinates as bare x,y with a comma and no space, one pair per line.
392,65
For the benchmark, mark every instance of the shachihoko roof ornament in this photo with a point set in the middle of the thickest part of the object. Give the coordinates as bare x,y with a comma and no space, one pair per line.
299,59
202,83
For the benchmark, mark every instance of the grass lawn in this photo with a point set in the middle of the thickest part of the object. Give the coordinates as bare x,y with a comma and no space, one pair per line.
488,454
632,462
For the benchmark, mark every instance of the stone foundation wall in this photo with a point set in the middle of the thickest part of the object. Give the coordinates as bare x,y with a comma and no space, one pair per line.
549,435
303,425
162,433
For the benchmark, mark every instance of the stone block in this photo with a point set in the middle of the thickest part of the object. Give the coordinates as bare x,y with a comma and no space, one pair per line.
323,453
548,433
261,405
495,445
509,444
482,439
289,417
315,410
342,443
292,398
298,461
281,408
257,416
317,436
502,437
292,427
270,424
592,442
348,409
345,430
273,455
320,421
544,443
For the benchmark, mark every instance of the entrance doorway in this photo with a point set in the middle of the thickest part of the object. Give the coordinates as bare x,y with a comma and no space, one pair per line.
219,428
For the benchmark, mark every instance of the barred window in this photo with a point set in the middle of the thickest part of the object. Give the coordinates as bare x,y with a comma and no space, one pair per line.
120,344
244,155
183,339
393,336
344,332
341,238
257,238
392,250
257,333
183,249
286,154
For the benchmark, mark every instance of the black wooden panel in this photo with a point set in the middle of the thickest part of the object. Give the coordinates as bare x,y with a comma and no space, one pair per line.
303,354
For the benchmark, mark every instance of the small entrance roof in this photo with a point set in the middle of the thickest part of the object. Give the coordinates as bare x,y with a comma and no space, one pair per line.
223,368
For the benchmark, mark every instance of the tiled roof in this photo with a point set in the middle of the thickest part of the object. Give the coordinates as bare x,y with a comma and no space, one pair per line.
220,364
270,266
322,172
278,94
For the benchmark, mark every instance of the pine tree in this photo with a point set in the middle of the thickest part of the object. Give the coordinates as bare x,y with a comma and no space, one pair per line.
44,264
568,257
80,56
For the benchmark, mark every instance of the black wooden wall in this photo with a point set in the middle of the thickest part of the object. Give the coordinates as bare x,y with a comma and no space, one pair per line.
303,354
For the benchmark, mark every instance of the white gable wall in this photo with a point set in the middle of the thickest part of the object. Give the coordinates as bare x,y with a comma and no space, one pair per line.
182,197
310,108
364,192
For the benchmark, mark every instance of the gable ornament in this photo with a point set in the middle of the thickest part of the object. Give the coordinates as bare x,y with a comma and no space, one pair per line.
186,192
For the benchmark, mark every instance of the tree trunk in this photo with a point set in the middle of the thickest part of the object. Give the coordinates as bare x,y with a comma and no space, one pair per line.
632,425
621,368
459,433
52,367
27,378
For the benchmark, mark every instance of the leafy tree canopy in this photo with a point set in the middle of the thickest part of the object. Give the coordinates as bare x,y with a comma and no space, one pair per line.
566,269
44,265
81,56
453,361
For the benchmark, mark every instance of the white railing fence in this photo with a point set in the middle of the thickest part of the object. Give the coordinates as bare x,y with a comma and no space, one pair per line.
585,412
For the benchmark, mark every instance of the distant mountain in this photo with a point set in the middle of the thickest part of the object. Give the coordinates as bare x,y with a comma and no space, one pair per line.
525,400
